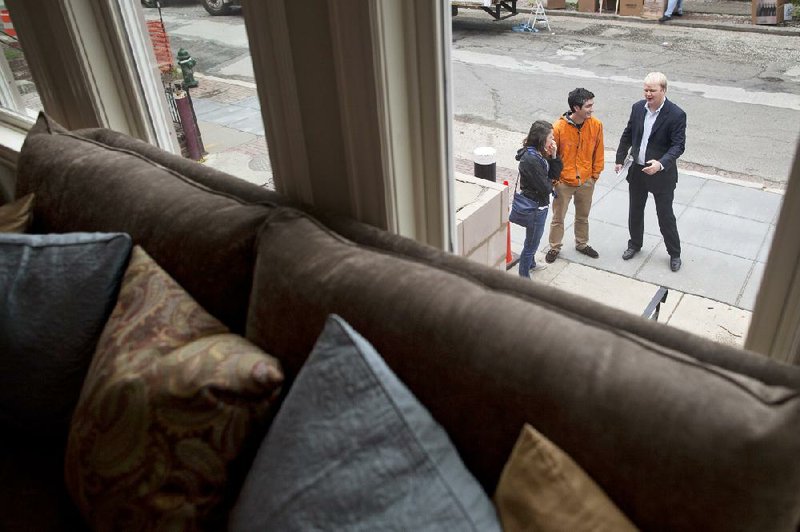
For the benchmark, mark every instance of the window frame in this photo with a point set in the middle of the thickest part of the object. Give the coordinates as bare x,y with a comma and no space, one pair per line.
80,53
392,108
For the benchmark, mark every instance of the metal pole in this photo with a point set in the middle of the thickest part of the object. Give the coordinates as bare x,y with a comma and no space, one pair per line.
485,163
189,125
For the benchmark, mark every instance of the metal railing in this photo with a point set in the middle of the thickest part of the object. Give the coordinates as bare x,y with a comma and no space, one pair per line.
654,307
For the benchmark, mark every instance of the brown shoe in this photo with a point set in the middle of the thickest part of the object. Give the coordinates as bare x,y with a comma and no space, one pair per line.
589,251
551,256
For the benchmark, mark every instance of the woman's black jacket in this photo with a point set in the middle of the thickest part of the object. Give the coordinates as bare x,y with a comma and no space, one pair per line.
535,180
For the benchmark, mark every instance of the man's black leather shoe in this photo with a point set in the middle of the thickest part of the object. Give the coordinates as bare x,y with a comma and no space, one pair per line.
629,253
675,264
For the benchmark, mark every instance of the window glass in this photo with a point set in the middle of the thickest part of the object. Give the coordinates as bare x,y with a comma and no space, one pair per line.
203,54
743,126
17,91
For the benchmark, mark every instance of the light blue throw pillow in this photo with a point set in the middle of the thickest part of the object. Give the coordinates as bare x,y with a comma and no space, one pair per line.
352,449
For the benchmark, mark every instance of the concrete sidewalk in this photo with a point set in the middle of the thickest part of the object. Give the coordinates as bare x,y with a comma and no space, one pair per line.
726,230
229,117
726,226
730,15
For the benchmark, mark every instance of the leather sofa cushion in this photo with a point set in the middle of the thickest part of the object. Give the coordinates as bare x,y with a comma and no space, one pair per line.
581,308
203,238
677,443
32,489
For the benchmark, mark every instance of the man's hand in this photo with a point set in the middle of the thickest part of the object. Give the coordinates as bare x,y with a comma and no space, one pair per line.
617,168
652,167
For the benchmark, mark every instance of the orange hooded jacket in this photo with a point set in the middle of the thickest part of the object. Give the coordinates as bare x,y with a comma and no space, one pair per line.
582,150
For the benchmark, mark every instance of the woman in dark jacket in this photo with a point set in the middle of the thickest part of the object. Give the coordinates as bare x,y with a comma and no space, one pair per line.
539,166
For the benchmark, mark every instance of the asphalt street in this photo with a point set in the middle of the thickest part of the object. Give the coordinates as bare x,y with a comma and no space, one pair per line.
741,90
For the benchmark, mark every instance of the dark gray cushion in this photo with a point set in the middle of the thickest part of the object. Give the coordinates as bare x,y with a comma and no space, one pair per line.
57,293
352,449
678,443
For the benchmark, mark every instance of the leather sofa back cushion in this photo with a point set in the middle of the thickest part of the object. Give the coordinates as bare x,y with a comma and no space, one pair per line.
676,443
202,238
56,293
168,407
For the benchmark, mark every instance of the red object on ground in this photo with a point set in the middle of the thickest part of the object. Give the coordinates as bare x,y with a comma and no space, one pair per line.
8,27
509,257
160,40
190,130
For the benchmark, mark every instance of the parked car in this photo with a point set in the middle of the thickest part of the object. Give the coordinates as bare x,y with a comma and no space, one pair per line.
219,7
214,7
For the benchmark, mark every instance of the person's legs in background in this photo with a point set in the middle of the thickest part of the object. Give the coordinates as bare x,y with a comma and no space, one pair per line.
671,9
526,255
583,203
560,205
637,199
538,231
533,237
667,222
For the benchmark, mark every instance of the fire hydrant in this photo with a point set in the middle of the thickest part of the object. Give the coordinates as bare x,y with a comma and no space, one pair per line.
187,63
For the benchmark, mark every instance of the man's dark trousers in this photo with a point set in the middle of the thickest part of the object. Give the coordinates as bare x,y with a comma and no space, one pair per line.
637,196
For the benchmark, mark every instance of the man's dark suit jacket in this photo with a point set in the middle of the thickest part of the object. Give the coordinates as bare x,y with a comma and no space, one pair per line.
667,142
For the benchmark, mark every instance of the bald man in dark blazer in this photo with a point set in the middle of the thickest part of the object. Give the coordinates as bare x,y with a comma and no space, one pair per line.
656,137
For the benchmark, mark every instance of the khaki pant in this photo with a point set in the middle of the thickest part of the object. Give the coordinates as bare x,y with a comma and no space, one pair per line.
583,202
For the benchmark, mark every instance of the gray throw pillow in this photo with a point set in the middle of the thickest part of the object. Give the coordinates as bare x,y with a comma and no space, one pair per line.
57,293
352,449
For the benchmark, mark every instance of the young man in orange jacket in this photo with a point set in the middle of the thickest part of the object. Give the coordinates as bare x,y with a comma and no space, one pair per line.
579,137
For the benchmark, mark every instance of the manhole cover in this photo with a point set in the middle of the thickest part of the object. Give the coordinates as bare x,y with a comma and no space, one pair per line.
259,164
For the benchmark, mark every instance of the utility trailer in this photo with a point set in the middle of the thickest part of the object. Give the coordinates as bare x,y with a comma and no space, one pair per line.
493,7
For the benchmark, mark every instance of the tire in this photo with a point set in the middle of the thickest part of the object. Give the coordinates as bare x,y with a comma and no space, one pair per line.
149,3
217,7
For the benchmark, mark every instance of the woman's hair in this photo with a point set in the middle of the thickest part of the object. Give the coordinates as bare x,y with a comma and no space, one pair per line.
537,136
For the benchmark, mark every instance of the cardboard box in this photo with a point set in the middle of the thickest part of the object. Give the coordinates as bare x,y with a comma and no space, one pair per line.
555,4
587,6
767,11
653,9
630,8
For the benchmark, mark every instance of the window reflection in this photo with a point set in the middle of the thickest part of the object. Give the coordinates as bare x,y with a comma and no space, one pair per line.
17,91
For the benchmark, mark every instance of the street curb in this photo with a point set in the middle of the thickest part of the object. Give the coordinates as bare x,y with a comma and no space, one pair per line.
229,81
770,30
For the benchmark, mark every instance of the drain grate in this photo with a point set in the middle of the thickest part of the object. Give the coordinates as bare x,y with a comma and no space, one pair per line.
259,163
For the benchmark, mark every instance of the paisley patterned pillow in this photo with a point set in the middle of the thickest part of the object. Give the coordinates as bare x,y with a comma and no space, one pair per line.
169,403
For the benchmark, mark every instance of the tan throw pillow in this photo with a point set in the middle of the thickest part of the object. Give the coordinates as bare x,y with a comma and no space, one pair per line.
16,217
168,404
543,489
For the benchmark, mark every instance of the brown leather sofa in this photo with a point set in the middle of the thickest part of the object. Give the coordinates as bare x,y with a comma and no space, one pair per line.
681,433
